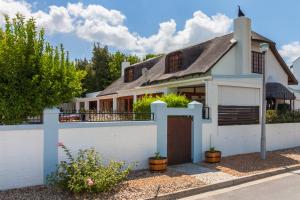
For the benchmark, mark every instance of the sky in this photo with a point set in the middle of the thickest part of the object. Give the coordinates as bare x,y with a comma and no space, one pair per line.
156,26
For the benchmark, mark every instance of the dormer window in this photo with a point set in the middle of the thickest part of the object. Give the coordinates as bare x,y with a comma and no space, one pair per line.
258,62
174,62
129,75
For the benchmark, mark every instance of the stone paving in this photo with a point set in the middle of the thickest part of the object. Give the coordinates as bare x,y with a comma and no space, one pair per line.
206,175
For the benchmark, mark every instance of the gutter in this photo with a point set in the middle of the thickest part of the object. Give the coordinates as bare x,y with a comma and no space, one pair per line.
169,84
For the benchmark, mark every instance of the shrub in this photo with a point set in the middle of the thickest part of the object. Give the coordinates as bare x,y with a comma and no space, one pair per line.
273,116
283,107
87,173
172,100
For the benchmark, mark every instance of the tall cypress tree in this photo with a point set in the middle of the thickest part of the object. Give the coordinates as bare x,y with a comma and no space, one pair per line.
100,64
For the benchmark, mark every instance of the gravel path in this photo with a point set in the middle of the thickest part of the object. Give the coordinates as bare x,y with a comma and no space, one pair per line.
141,185
205,175
249,164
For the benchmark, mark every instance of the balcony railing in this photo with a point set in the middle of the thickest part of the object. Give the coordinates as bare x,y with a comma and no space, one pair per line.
104,117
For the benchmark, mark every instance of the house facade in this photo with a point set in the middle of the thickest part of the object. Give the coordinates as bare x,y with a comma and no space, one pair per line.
224,71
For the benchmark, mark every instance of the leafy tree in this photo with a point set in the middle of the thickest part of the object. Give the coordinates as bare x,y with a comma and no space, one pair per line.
100,65
88,83
34,75
148,56
115,65
133,59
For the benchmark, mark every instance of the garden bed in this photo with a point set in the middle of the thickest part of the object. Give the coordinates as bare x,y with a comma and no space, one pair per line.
140,185
250,164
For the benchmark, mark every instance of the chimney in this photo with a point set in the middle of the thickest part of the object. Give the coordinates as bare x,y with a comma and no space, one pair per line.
242,34
124,65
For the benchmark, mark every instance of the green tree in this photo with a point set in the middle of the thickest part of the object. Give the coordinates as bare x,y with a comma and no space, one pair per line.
88,83
115,65
133,59
100,65
34,75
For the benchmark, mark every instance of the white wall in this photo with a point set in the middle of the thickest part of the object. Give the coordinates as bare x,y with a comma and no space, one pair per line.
274,71
134,143
227,65
21,156
232,140
239,96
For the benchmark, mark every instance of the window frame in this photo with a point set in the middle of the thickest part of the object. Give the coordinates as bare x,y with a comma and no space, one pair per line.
174,62
257,62
129,74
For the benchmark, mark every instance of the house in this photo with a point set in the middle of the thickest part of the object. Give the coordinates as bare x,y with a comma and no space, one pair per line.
295,68
224,71
88,102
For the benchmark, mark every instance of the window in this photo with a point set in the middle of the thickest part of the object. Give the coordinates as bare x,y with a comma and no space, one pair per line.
174,62
258,61
129,74
106,105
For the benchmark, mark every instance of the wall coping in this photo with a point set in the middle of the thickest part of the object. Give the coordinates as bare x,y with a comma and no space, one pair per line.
66,125
21,127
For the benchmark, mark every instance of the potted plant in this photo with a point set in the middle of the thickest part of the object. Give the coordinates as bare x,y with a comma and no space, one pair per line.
213,155
157,163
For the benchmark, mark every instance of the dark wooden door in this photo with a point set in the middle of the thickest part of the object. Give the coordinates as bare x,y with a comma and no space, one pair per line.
179,139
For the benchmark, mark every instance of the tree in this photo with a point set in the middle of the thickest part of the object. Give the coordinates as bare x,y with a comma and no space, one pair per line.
34,75
133,59
115,65
89,80
148,56
104,67
100,65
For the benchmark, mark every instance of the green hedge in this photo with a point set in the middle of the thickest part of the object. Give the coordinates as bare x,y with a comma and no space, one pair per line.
273,116
173,100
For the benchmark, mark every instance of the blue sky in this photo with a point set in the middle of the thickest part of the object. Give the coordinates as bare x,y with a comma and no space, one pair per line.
144,26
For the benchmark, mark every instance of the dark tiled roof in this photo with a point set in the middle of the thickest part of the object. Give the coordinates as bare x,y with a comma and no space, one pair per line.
198,59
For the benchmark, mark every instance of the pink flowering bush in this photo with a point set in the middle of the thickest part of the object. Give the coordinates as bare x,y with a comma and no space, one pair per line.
87,173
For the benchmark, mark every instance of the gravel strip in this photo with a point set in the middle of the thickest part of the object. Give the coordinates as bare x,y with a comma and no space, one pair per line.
141,185
205,175
250,164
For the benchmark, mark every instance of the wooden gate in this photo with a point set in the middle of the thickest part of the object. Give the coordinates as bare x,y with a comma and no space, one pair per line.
179,139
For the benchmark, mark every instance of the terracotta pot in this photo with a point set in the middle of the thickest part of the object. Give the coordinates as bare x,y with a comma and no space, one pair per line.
213,156
158,165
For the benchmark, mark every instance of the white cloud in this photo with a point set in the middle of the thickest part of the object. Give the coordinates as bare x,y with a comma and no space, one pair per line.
290,51
57,20
12,7
97,23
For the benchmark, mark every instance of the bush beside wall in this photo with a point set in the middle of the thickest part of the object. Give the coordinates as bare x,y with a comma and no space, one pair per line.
172,100
274,116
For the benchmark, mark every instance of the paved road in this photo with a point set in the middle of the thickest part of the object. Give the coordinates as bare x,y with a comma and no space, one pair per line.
281,187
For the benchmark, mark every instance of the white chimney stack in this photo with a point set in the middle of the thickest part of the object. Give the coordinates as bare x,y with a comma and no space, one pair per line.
242,34
124,65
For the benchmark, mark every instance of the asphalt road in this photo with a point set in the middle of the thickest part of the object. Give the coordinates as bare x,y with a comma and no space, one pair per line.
280,187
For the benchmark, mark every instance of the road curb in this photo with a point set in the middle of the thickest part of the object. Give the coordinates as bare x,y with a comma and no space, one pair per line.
208,188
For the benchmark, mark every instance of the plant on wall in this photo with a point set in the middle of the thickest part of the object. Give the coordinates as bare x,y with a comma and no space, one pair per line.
172,100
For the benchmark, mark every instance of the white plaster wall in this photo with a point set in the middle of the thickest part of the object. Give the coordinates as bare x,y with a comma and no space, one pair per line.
131,144
239,96
281,136
296,72
21,158
232,140
297,104
274,71
227,65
